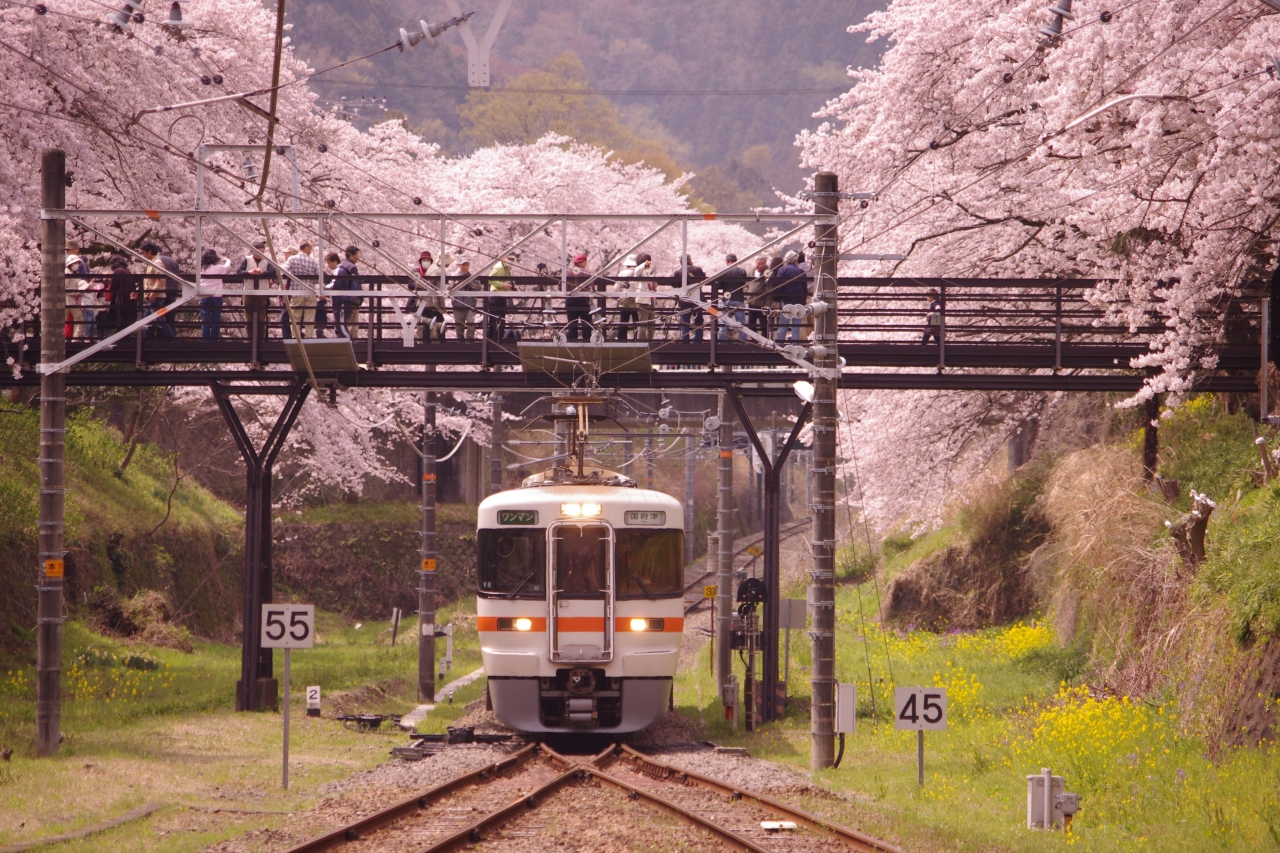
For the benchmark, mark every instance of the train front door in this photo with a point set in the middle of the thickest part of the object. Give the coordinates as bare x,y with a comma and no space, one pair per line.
581,629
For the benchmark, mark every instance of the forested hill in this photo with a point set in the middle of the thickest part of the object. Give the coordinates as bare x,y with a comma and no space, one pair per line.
756,46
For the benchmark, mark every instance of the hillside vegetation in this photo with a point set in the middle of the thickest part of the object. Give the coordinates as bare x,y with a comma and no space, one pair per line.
132,529
623,45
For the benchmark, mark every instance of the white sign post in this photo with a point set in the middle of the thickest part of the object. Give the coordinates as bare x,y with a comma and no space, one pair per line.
288,627
313,700
922,709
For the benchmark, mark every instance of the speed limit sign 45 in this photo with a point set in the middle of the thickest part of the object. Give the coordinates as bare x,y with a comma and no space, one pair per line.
288,626
920,708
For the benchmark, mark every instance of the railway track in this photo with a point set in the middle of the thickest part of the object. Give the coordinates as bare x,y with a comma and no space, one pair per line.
693,589
473,809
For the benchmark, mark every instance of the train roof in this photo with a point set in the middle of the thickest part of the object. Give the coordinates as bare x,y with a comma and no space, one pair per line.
631,507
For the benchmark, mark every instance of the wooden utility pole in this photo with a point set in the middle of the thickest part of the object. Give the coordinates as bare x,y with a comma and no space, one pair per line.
826,197
724,541
427,571
53,414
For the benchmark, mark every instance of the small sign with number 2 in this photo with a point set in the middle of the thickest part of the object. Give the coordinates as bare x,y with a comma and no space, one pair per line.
920,708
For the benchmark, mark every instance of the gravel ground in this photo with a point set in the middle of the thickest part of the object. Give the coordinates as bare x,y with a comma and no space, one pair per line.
364,793
593,818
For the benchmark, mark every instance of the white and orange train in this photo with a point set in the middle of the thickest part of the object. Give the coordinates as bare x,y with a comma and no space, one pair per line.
580,602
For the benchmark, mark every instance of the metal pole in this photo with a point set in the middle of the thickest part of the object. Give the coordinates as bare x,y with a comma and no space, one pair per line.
427,571
53,412
688,500
920,758
495,444
285,710
822,576
724,541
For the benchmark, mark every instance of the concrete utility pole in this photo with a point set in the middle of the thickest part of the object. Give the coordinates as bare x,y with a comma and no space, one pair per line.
53,414
826,195
648,461
724,540
495,445
562,431
689,449
427,571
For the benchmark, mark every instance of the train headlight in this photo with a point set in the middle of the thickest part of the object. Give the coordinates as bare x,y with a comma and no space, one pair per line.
580,510
506,623
640,625
524,624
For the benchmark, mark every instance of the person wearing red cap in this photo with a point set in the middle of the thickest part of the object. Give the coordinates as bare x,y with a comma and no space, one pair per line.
578,308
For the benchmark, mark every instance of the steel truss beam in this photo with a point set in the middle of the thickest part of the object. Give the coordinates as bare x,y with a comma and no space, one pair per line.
763,383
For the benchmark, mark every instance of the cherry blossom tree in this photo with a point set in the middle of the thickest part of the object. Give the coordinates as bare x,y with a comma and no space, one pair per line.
68,80
1138,148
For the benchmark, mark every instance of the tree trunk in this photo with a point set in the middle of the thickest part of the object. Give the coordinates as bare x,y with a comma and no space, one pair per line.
1189,530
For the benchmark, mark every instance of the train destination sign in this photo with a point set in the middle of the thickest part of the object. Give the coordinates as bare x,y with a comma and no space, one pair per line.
656,518
517,516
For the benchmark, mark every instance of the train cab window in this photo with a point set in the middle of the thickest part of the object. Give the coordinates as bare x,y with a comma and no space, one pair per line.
650,563
581,554
513,563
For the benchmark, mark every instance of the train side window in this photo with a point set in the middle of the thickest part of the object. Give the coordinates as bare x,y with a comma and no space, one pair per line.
650,563
513,563
581,554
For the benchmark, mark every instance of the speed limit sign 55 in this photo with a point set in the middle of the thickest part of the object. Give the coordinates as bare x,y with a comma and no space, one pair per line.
920,708
288,626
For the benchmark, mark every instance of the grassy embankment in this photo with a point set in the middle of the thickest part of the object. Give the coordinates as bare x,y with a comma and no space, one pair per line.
168,735
1156,769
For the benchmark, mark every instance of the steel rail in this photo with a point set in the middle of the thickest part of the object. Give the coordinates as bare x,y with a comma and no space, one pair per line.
364,826
783,533
853,838
473,832
593,768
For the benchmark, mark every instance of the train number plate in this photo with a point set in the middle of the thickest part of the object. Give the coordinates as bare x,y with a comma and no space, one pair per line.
646,516
517,516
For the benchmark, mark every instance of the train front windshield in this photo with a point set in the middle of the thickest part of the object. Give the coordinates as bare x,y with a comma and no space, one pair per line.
513,563
650,563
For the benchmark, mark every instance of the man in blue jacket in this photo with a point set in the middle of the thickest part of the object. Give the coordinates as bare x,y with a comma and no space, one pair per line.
792,288
346,278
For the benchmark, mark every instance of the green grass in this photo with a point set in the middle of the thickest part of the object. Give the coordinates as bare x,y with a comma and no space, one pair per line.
1144,785
178,740
380,512
1207,450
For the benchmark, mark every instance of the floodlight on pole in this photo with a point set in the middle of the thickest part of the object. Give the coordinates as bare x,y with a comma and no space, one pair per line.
1061,13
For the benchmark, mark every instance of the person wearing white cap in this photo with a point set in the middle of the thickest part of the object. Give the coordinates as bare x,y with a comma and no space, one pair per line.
627,311
82,300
